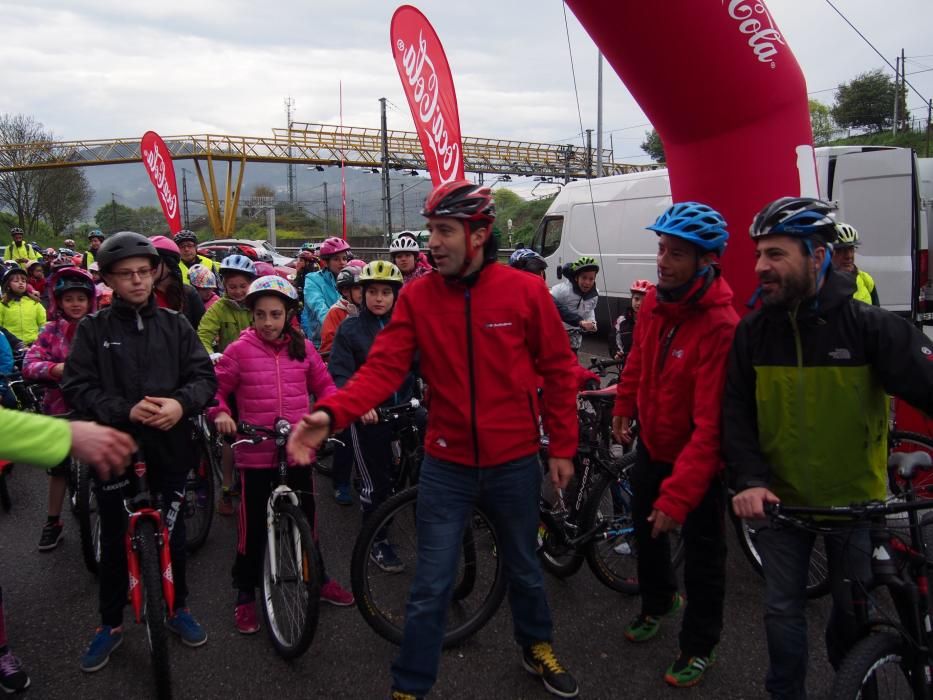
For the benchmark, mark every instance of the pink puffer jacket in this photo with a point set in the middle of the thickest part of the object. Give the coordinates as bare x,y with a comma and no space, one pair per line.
267,384
50,349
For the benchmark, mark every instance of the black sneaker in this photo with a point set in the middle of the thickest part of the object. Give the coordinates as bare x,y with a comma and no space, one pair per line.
13,679
51,536
539,659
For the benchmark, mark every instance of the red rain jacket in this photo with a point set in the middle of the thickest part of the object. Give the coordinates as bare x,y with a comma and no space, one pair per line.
482,348
675,374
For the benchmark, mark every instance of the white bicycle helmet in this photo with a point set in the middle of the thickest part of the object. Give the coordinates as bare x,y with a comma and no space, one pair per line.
404,244
238,264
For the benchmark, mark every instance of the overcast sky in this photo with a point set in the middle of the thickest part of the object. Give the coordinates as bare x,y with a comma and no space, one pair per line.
102,68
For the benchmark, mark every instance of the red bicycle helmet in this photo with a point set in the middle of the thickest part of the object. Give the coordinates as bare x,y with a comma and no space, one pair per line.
642,286
461,199
164,244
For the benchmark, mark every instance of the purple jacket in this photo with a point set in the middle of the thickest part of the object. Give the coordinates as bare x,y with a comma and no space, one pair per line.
267,384
50,348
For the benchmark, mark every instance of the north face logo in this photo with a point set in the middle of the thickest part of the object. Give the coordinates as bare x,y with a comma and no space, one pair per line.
841,354
108,344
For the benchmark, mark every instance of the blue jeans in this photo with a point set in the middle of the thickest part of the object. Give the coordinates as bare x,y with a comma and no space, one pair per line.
785,559
447,492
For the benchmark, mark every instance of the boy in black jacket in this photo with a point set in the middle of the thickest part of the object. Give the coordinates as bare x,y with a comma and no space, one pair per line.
141,369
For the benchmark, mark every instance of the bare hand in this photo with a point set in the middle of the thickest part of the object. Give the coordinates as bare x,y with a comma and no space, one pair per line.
371,417
622,429
143,410
307,435
168,414
588,326
57,370
561,470
662,522
105,449
225,424
750,503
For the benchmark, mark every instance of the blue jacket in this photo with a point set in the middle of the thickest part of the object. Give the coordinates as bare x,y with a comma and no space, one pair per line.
320,293
354,338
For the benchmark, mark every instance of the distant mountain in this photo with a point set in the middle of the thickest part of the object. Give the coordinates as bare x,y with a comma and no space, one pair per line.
129,185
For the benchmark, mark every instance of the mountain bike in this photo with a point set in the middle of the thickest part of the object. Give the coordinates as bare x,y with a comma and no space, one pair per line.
893,659
382,595
291,572
149,561
202,482
84,497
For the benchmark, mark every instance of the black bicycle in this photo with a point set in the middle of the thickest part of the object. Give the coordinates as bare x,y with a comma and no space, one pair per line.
382,595
893,659
202,483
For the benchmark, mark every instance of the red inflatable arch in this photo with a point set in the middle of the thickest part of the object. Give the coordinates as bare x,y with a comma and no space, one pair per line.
719,83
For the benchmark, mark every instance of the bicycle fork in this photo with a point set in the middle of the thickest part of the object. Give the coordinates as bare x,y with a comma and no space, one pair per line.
165,562
281,491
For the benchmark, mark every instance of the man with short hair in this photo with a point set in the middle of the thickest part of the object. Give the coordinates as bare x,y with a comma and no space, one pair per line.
673,377
19,250
485,333
805,420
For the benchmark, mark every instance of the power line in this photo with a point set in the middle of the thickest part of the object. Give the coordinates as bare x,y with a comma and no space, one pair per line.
865,39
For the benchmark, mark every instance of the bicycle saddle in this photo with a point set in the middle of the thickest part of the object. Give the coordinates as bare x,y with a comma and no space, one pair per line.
909,463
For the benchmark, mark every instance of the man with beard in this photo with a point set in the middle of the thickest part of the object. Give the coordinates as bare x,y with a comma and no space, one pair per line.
805,420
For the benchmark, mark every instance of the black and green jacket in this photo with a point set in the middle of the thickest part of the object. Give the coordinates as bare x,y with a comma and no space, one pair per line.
805,404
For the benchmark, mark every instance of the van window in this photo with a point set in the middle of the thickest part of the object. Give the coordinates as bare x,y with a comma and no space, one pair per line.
547,239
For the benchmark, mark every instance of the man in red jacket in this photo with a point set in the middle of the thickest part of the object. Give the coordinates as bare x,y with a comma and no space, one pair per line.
674,376
485,332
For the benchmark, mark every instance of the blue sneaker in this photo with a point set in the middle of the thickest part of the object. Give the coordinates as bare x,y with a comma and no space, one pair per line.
186,627
383,555
342,495
105,642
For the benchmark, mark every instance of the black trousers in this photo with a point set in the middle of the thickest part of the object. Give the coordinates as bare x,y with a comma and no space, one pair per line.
704,539
255,487
169,456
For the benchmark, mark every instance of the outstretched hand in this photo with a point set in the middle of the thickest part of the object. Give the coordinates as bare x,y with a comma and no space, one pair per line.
307,435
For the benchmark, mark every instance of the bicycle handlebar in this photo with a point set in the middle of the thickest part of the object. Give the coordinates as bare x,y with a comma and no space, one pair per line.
393,412
603,364
855,511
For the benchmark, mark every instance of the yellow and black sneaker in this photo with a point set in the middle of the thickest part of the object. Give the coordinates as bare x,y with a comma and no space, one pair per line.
539,659
399,695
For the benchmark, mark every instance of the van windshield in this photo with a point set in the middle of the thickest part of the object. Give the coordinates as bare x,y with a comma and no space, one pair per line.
547,238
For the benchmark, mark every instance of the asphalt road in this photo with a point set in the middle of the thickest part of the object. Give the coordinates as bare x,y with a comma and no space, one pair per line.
51,615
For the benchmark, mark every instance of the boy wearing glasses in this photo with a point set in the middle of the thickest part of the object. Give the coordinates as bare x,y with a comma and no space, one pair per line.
141,369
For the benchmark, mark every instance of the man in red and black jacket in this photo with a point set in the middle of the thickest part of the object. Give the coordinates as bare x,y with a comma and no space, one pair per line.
674,377
485,333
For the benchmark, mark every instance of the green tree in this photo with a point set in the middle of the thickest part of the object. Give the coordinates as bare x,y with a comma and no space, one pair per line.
115,217
150,221
867,102
821,121
653,147
65,197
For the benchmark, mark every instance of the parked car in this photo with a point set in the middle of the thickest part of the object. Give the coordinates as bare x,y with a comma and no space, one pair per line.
255,250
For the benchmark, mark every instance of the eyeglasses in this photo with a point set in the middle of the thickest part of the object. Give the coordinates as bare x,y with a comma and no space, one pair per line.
126,275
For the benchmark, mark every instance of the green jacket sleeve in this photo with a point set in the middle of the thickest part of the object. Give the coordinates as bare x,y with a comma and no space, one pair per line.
209,327
34,439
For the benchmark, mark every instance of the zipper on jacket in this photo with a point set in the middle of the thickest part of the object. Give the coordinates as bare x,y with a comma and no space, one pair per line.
469,334
801,398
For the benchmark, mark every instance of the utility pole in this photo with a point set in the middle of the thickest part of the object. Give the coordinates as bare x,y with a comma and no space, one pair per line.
929,124
599,116
184,194
289,103
897,75
326,212
402,192
113,210
352,214
589,153
386,194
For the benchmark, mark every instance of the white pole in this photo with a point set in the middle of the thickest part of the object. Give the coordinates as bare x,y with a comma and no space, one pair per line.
599,116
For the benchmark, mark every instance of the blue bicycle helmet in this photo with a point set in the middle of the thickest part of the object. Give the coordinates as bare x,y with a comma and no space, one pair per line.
694,222
238,264
527,259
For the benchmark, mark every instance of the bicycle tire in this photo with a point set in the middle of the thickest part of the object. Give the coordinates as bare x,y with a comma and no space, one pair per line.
876,662
381,597
200,498
5,501
558,559
608,514
291,624
156,632
88,516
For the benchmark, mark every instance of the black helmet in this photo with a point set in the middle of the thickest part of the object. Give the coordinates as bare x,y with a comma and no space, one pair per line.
800,217
122,245
9,272
186,235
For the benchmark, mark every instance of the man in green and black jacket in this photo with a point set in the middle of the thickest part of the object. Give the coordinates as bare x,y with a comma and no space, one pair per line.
805,419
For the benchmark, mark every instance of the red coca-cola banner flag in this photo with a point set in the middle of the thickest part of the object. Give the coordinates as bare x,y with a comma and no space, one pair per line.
158,162
429,87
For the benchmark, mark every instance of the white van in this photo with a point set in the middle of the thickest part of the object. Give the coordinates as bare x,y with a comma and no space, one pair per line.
877,190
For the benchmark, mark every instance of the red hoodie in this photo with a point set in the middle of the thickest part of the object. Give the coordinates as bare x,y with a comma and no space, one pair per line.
675,373
482,348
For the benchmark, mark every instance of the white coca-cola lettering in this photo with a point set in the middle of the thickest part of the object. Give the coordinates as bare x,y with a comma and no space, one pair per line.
763,37
424,94
156,166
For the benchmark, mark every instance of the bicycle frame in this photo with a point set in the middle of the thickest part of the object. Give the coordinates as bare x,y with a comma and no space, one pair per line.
405,442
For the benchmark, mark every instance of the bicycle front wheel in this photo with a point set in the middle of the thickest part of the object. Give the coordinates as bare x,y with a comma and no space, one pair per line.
478,589
156,632
876,667
199,502
291,595
88,516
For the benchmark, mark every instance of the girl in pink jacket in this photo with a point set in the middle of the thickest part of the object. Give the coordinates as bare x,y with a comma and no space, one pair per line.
269,370
72,296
